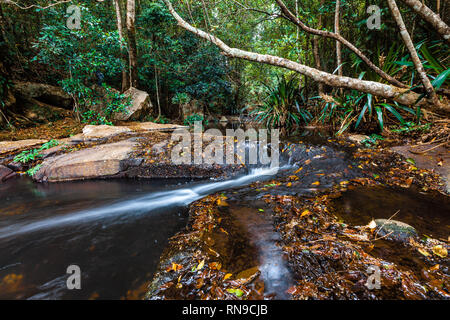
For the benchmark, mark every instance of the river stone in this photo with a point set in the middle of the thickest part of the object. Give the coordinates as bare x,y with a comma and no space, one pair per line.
141,105
97,162
11,146
357,138
4,173
395,230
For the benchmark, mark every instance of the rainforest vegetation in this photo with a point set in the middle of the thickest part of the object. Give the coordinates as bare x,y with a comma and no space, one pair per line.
353,93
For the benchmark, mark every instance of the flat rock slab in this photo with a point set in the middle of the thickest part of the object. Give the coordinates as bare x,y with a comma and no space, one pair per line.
103,131
11,146
437,160
152,126
97,162
93,132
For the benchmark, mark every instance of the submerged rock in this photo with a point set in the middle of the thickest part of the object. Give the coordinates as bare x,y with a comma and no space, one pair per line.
395,230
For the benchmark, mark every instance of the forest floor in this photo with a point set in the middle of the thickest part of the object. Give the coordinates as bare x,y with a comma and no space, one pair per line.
284,238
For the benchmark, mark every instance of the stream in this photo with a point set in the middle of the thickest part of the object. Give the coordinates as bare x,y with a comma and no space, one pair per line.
116,230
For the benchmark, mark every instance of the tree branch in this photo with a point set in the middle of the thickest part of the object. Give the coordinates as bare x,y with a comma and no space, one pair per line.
327,34
33,5
400,95
429,16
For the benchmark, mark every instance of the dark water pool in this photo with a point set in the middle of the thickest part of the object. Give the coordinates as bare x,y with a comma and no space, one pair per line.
44,228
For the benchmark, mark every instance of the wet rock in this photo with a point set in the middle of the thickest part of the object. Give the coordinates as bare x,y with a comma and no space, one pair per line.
103,131
395,230
152,126
357,138
435,158
15,166
5,172
97,162
43,92
12,146
140,107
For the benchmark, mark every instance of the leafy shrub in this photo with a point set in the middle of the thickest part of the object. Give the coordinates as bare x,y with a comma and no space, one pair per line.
281,107
194,118
30,155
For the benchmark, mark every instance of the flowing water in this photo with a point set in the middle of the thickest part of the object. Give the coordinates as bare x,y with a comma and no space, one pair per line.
116,230
113,230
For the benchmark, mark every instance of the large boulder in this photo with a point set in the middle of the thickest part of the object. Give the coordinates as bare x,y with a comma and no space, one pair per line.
140,105
98,162
43,92
103,131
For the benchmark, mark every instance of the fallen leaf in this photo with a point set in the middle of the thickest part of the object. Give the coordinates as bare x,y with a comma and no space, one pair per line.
423,252
228,275
440,251
298,170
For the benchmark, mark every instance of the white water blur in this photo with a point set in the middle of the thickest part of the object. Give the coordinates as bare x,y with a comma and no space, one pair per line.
138,206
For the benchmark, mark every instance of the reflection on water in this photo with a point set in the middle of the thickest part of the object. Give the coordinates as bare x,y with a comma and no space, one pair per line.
115,258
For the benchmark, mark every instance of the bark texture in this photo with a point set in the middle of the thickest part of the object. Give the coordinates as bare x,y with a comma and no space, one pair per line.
327,34
412,51
125,82
132,49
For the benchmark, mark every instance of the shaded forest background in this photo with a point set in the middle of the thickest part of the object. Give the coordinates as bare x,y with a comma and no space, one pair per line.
176,67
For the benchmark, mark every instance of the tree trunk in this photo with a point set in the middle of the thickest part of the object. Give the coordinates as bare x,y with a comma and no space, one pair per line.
338,44
132,49
403,96
429,16
125,82
412,51
316,53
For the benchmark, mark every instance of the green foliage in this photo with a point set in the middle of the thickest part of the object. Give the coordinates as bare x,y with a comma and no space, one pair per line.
281,107
32,171
79,55
190,120
162,119
372,140
31,155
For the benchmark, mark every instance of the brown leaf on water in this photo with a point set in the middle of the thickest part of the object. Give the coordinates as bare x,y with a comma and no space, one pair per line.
227,276
305,213
298,170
